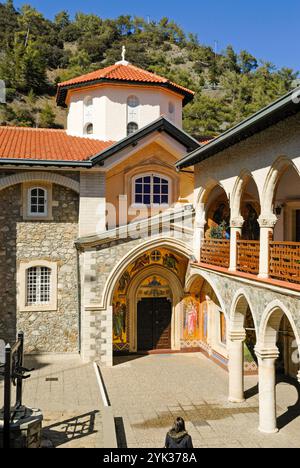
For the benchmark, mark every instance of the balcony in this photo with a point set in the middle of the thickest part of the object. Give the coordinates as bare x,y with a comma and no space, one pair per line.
248,256
284,258
285,261
216,252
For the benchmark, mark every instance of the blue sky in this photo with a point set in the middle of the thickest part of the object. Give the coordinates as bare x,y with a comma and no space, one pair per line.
266,28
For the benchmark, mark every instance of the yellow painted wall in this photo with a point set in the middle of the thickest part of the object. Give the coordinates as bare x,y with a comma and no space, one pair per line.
153,158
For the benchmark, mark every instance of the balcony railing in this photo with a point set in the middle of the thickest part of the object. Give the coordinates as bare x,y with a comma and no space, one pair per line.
285,261
248,256
216,252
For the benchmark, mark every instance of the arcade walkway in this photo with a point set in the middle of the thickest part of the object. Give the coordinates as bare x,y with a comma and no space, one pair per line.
146,393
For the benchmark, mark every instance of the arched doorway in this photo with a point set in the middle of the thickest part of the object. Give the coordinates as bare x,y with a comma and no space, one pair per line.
274,360
241,346
147,303
215,247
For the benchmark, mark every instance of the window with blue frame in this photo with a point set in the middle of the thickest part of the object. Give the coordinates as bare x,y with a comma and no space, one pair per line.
151,189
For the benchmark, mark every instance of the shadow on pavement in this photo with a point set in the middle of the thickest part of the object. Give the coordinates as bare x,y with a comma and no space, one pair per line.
293,412
70,429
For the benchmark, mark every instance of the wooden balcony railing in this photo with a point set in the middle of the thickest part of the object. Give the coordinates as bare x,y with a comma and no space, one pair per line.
216,252
285,261
248,256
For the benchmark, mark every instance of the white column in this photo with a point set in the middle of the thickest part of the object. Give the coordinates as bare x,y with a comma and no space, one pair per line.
236,366
199,232
298,376
267,225
267,390
236,225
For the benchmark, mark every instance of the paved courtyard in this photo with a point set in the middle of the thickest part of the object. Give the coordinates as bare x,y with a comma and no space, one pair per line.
67,392
147,393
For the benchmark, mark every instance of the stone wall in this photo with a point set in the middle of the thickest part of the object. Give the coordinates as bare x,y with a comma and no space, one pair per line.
53,241
259,295
97,263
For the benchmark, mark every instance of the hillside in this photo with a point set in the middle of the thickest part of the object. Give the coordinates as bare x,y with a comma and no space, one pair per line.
36,53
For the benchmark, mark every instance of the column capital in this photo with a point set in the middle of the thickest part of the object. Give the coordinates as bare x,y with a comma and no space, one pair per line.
267,353
237,222
237,335
267,221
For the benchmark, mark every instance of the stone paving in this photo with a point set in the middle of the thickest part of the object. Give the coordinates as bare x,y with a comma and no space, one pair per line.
67,392
147,393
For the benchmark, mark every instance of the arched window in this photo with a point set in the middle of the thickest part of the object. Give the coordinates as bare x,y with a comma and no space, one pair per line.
38,285
132,127
133,102
89,129
132,114
37,202
151,189
88,109
171,111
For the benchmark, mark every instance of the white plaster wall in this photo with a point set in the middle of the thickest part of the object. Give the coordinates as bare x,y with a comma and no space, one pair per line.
256,154
110,109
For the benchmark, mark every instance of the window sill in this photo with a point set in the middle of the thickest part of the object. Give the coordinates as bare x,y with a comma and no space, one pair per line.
38,218
39,308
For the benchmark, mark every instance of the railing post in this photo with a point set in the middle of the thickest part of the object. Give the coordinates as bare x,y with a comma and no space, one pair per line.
20,362
267,225
7,397
236,225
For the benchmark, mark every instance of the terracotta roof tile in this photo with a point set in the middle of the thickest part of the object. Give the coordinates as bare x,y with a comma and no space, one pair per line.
120,72
47,145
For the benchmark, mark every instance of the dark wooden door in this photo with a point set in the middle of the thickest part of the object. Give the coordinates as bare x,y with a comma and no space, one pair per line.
154,324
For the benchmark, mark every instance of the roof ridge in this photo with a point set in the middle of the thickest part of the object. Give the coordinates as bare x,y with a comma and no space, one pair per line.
35,129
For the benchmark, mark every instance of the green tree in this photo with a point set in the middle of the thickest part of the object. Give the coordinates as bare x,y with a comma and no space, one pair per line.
46,117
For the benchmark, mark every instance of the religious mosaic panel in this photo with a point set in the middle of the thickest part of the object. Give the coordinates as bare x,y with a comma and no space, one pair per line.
153,286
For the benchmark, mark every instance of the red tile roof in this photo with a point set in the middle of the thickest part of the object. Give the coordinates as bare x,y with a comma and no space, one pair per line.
47,145
123,73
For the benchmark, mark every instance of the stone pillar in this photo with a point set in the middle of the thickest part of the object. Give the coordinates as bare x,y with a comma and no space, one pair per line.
236,366
236,225
267,225
267,390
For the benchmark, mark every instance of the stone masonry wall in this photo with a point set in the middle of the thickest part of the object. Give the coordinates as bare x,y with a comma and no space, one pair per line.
52,241
96,266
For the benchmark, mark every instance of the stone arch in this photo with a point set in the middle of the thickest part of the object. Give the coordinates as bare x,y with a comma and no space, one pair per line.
238,190
177,294
270,324
238,311
277,170
206,190
206,278
172,244
58,179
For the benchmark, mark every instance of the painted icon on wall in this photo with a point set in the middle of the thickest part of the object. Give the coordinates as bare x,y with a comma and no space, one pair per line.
191,325
119,322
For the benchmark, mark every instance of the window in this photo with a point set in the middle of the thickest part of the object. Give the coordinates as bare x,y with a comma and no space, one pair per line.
133,102
88,109
38,281
37,202
37,286
89,129
151,190
132,127
132,114
155,256
171,110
